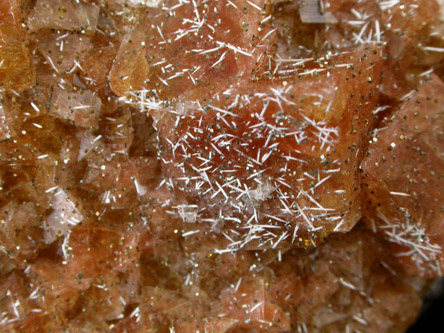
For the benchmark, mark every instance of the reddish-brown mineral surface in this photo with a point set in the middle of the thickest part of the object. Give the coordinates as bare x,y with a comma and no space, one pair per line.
282,156
220,166
404,179
16,68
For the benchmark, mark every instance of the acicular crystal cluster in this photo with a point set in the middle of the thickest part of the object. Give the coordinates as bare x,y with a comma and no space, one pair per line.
220,165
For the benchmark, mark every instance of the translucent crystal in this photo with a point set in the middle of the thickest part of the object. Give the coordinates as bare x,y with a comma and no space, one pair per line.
16,67
80,108
65,215
63,14
403,179
274,163
63,52
6,127
130,70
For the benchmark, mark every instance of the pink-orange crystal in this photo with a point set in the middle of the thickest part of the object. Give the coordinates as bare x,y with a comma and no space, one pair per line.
219,166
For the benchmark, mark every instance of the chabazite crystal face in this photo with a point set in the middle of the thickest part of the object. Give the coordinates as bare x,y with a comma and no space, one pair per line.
219,166
16,70
404,179
269,163
203,44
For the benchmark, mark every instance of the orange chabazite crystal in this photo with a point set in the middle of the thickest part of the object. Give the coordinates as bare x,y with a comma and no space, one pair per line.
204,166
209,45
131,69
282,156
16,67
63,14
404,180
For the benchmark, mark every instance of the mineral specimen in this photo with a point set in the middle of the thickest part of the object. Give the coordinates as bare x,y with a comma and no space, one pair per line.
219,166
273,162
16,67
63,14
404,179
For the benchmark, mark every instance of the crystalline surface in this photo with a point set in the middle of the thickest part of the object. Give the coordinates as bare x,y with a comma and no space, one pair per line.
64,216
20,233
410,30
198,44
219,166
62,52
284,157
81,108
404,180
6,129
16,68
131,69
63,14
291,294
